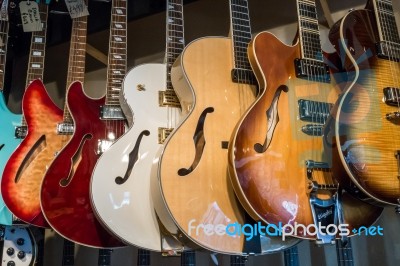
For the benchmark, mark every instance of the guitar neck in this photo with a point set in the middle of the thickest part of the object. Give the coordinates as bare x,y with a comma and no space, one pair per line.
241,37
117,52
188,258
291,256
68,253
143,258
104,257
77,57
344,253
386,21
175,39
4,40
310,42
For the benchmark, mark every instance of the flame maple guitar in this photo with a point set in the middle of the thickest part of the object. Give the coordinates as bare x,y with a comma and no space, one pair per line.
277,164
194,158
25,167
65,193
366,123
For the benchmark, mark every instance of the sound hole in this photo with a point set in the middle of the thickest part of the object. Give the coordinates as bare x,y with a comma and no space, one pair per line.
133,157
199,142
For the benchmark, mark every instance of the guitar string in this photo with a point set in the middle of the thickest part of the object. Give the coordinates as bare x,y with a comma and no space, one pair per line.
387,27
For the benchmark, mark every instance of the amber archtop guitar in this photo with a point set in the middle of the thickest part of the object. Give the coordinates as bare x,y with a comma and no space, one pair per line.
215,84
25,167
278,167
366,121
65,194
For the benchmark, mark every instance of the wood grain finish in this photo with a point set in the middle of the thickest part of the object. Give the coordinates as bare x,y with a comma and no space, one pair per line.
205,195
272,186
66,199
27,165
365,140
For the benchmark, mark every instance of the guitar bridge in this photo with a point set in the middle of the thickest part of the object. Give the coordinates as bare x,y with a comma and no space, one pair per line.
65,128
103,145
111,112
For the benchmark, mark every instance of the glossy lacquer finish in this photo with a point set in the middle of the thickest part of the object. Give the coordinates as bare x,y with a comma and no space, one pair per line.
202,194
121,193
65,193
367,142
272,185
8,142
25,169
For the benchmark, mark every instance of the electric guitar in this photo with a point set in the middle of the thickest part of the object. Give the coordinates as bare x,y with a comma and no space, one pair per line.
17,246
8,120
344,253
65,194
214,82
127,179
277,164
365,124
24,170
143,258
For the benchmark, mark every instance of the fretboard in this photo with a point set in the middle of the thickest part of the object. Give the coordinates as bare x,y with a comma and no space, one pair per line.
117,51
386,21
4,40
104,257
175,39
291,256
37,51
77,57
68,258
143,258
309,30
188,258
344,253
241,33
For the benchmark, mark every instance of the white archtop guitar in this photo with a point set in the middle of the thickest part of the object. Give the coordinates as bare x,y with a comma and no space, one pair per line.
120,184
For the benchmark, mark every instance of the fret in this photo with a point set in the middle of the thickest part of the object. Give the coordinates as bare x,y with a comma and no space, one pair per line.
188,258
68,253
104,257
143,258
237,260
309,25
3,51
386,21
344,253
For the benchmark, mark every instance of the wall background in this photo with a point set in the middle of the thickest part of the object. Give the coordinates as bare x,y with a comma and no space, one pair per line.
146,43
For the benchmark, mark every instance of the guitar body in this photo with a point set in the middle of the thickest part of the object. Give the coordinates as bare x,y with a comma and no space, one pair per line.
193,165
132,156
365,141
8,142
26,167
272,184
65,197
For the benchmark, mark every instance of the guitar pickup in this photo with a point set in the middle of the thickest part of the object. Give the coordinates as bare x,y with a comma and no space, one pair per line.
313,111
168,98
388,50
65,128
163,134
20,132
391,96
111,112
312,70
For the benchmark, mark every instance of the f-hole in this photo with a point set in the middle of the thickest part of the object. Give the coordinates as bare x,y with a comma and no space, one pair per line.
76,159
199,142
272,121
133,157
37,148
1,146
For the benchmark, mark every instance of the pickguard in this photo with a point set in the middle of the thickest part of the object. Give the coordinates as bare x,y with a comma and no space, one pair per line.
199,142
133,157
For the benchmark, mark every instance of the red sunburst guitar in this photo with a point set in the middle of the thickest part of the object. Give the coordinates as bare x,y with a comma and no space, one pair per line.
25,168
366,123
65,194
278,167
